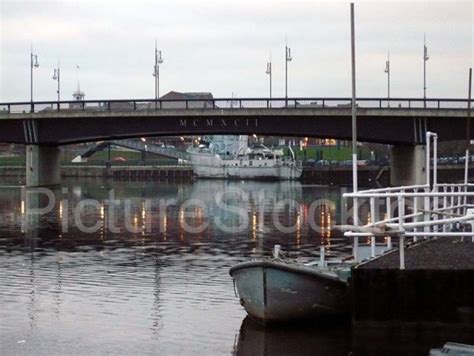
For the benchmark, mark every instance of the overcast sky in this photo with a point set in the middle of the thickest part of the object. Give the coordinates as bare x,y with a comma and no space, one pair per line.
222,46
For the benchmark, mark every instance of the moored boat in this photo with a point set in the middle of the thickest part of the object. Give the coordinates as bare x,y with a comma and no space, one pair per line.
276,291
229,157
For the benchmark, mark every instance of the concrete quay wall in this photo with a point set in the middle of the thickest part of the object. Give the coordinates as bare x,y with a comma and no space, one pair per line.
368,176
119,172
435,290
391,297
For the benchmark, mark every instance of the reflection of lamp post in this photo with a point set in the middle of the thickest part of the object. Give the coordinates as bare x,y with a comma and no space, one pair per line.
156,71
33,64
387,70
57,76
305,147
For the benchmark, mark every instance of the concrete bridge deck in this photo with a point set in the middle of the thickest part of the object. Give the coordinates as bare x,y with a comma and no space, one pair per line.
394,121
402,122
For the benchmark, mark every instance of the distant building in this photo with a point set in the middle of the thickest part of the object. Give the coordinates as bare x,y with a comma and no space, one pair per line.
200,100
78,95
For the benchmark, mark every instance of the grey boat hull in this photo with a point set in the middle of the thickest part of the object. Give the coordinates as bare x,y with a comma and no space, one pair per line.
272,291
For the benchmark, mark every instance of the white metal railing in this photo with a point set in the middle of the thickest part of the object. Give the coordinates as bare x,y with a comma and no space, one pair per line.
416,211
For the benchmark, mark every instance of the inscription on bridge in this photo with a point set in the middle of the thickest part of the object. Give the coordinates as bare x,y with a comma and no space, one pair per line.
221,123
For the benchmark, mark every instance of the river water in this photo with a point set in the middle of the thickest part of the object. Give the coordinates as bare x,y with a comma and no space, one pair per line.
112,267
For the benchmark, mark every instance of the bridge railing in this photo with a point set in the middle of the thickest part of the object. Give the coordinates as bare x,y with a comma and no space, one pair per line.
229,104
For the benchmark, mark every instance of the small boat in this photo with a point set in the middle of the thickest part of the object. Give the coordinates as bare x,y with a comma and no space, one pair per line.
278,291
453,348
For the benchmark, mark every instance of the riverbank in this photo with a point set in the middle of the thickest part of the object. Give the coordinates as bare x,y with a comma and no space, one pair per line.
340,176
177,172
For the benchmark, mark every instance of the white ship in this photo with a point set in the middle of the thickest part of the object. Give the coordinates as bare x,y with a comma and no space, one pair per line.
224,156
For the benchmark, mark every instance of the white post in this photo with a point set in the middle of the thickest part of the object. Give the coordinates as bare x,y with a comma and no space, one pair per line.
372,210
401,213
435,176
276,251
372,246
322,256
415,208
435,162
452,189
445,205
355,249
428,179
372,220
402,251
468,138
427,208
354,131
459,200
428,163
466,179
389,216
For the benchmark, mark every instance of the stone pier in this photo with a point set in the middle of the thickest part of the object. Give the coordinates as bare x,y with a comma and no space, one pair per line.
408,165
42,166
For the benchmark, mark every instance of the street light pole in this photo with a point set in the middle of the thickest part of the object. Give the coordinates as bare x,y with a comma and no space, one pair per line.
468,134
156,71
425,58
33,64
269,72
288,58
387,70
57,76
354,116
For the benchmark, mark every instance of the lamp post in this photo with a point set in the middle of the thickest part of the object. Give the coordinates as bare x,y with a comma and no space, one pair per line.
57,76
425,59
288,58
33,64
156,71
387,70
269,72
354,128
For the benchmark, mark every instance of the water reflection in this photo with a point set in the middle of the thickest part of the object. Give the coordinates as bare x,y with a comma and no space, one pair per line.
339,338
160,290
261,212
256,339
39,205
168,291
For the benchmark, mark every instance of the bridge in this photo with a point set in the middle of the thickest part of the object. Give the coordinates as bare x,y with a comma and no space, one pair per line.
137,146
401,122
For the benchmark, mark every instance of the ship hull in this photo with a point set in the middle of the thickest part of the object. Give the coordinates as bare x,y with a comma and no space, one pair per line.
212,166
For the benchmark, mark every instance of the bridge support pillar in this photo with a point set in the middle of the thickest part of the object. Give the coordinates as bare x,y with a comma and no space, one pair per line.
408,165
42,166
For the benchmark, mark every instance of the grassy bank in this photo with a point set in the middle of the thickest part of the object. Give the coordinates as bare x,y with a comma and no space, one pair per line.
13,161
328,153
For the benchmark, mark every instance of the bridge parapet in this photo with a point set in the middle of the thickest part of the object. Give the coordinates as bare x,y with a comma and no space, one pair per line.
229,104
